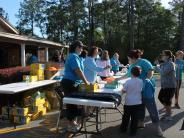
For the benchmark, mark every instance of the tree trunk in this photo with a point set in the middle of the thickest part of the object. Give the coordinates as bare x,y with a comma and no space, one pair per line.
91,22
32,24
182,31
131,3
104,24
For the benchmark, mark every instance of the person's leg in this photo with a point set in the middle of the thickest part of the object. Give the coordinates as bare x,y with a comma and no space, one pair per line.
177,94
71,110
153,112
160,96
168,101
134,119
125,118
141,116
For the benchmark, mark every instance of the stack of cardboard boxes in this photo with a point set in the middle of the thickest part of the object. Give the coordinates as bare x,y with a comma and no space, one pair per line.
36,105
21,115
38,70
33,107
16,114
7,113
36,74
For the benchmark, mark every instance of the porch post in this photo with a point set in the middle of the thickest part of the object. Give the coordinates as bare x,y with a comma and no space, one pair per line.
23,55
47,54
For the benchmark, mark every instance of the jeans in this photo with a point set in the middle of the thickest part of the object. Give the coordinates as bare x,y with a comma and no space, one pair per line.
150,105
69,87
130,111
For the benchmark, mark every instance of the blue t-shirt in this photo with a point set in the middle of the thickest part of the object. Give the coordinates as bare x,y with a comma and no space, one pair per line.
115,65
179,69
148,90
145,66
73,62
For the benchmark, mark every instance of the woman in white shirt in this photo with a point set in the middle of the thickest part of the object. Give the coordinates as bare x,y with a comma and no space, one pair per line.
90,67
103,62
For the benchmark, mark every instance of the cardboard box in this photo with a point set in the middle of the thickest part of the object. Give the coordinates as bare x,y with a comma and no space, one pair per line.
7,117
49,74
20,111
40,78
36,109
35,116
33,78
39,102
22,119
30,101
52,99
5,110
47,105
37,66
43,111
89,88
37,72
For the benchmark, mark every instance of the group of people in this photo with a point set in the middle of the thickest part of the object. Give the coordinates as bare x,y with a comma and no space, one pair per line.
140,94
84,66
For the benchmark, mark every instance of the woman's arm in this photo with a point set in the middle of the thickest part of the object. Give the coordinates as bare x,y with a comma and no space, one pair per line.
91,65
122,77
167,69
81,75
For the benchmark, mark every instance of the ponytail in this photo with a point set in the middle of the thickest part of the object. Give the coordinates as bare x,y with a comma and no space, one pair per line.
173,57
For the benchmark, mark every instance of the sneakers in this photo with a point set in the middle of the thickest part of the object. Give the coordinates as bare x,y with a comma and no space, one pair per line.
177,106
74,127
158,130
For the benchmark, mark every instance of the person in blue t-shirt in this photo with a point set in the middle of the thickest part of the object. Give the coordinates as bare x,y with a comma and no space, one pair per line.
148,98
134,59
33,59
115,63
73,76
179,70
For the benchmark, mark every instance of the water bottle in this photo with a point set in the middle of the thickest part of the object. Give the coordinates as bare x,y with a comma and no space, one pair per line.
27,79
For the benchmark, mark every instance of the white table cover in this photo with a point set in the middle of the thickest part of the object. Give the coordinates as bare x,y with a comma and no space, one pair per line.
14,88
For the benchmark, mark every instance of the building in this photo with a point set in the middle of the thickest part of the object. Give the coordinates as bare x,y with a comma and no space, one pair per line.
14,47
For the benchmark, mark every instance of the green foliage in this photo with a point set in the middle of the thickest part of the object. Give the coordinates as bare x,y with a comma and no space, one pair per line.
31,15
155,28
3,13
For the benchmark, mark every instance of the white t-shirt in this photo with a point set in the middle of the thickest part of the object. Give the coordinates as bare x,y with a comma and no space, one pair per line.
103,64
133,90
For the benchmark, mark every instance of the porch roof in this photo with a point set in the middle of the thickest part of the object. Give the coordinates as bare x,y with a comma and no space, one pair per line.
18,39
